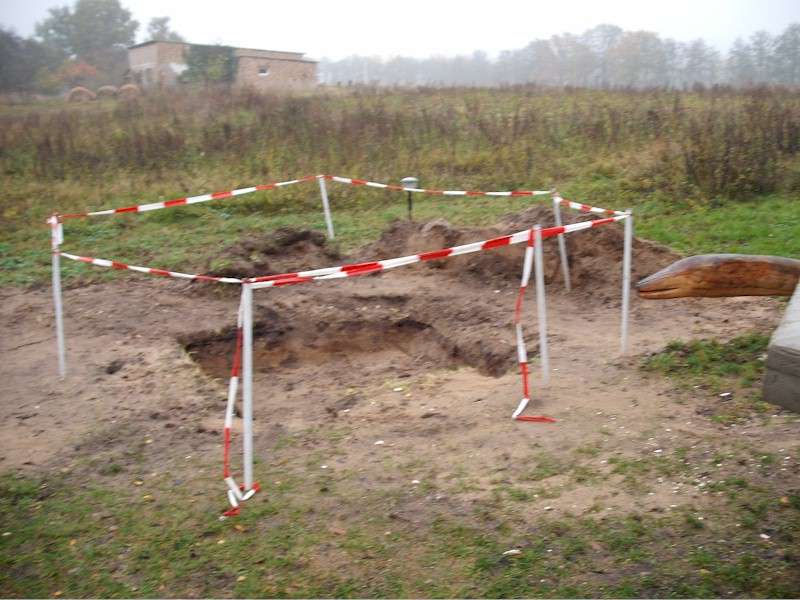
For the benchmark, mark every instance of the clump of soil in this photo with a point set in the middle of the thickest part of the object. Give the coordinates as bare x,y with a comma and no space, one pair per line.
284,250
595,256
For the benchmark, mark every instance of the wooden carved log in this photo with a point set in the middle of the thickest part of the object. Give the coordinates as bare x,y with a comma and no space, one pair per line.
723,275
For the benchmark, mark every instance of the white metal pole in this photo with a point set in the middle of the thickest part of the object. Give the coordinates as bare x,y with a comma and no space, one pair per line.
55,242
562,244
323,190
626,281
247,384
541,309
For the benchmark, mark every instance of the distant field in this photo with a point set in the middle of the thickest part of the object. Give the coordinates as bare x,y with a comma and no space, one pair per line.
712,171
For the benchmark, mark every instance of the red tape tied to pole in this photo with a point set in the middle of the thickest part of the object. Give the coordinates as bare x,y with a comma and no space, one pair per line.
536,419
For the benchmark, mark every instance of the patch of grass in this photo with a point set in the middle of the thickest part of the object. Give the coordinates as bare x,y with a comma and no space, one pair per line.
766,225
741,356
545,466
713,367
94,541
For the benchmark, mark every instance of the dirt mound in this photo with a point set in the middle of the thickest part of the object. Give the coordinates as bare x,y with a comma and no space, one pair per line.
284,250
595,256
129,91
107,91
81,94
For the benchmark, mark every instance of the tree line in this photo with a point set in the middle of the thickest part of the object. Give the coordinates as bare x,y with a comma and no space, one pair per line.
86,44
83,44
605,56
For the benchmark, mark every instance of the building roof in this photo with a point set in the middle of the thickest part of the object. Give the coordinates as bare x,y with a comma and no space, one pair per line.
300,55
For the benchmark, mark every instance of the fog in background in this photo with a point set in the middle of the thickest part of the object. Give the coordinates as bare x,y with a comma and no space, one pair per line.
623,43
418,28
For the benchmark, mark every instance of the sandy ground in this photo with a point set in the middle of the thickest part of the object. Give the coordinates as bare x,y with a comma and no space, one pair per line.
402,377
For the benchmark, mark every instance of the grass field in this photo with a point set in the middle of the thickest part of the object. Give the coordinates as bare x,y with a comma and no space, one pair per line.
714,171
96,541
704,172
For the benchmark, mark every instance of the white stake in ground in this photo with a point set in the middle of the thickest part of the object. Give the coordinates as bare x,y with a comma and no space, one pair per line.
56,238
323,190
247,384
562,244
626,281
541,309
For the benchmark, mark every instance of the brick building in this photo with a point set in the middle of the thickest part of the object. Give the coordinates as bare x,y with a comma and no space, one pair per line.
155,64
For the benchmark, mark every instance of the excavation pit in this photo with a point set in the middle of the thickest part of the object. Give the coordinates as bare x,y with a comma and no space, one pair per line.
356,343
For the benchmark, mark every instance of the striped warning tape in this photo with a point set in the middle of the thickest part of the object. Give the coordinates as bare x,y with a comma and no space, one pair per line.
383,265
351,270
188,200
236,493
434,192
586,208
103,262
140,208
522,351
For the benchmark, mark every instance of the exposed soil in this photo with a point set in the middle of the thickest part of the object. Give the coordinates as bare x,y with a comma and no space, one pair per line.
281,251
421,359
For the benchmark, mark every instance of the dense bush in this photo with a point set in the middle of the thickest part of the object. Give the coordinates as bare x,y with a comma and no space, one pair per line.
718,142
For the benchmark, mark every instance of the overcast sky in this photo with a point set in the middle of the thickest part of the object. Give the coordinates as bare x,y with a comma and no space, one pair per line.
338,28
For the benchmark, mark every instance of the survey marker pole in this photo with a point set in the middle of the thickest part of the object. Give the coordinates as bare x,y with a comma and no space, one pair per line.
247,383
562,244
626,280
541,309
326,207
409,182
56,238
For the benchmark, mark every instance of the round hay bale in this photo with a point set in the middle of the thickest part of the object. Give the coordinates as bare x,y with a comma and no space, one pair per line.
129,91
107,91
81,94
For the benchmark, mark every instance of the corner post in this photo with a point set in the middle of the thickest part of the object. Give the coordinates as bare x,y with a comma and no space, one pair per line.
541,309
56,238
626,280
562,243
323,190
247,383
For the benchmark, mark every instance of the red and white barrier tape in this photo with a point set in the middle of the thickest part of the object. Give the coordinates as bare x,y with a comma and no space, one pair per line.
365,268
522,351
140,208
434,192
234,494
351,270
102,262
586,208
235,491
188,200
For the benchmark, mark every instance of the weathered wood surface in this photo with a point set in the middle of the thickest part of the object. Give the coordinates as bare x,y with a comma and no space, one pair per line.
723,275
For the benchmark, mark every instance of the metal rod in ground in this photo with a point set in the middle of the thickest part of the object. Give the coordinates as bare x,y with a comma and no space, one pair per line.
247,384
541,309
562,245
626,281
55,229
410,201
326,207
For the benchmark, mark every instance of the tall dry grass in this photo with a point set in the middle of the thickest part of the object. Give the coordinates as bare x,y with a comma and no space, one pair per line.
710,143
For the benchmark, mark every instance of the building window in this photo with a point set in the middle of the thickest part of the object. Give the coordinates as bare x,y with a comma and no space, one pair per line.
263,71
